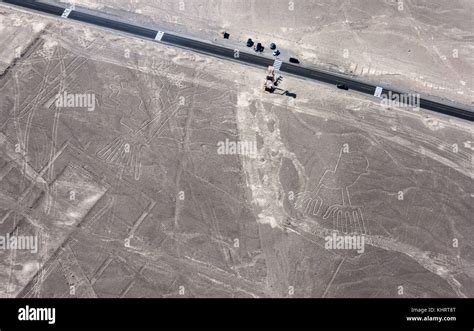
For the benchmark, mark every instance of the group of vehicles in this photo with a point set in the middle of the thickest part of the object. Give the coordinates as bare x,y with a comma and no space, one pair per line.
259,48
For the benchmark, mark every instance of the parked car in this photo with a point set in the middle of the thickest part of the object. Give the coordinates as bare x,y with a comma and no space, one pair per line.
276,52
294,60
259,48
273,46
342,86
250,42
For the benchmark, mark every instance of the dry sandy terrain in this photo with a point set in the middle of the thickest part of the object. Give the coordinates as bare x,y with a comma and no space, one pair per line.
417,45
134,199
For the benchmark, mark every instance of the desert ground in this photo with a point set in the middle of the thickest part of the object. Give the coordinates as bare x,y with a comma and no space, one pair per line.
417,45
134,199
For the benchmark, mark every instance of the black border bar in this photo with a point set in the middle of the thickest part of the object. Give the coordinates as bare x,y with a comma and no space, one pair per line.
222,314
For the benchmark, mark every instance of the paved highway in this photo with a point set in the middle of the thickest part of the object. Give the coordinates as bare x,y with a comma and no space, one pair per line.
463,112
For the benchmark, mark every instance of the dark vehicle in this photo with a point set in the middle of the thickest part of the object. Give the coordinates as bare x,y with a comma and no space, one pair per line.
226,35
273,46
259,48
249,42
276,52
342,86
294,60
